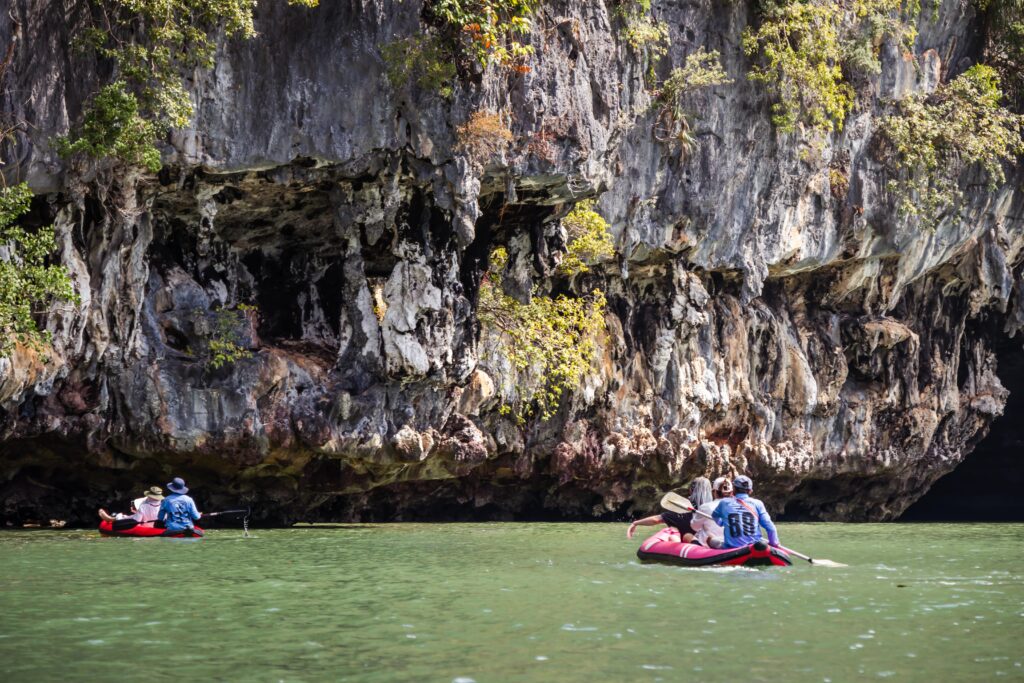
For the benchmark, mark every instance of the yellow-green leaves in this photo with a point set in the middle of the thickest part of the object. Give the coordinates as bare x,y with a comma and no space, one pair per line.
550,342
934,138
422,60
223,346
701,69
27,283
642,32
150,43
801,47
589,239
489,30
113,127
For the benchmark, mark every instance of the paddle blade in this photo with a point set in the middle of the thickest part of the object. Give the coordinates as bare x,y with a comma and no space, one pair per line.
828,563
675,503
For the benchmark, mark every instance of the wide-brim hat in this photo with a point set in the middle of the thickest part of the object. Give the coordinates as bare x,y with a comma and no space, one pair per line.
675,503
177,485
154,493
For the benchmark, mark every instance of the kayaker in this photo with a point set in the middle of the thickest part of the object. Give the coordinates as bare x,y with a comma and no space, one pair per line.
675,516
144,509
178,511
706,530
147,508
742,516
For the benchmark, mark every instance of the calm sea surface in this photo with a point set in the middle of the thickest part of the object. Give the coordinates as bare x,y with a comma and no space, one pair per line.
508,602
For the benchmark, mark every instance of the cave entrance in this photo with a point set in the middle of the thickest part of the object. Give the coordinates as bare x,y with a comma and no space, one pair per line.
987,485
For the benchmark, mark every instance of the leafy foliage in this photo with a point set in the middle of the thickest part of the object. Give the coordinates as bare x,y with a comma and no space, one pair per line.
589,239
27,283
1004,49
489,29
933,139
483,136
802,46
114,127
551,342
800,51
643,33
701,69
426,57
222,346
150,43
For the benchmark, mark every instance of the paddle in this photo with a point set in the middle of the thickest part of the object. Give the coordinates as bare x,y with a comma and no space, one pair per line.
673,501
205,514
225,512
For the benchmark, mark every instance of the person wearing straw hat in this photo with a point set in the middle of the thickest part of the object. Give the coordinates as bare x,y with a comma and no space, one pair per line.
147,508
178,511
144,509
675,515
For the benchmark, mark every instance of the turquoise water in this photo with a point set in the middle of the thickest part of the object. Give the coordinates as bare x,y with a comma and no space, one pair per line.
508,602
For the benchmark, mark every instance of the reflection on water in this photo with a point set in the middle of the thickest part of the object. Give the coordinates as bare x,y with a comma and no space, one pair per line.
509,602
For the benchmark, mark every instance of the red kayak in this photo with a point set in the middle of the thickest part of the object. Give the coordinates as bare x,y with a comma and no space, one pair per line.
147,531
667,547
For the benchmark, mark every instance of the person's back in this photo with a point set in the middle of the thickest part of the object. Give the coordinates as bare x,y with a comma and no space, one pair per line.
147,510
178,511
708,532
741,517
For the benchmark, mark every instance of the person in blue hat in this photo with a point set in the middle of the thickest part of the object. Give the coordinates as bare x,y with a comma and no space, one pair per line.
178,511
741,517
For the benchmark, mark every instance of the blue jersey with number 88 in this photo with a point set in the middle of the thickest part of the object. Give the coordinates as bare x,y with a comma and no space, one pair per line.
742,523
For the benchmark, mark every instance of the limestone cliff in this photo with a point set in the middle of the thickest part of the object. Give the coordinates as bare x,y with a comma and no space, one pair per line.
759,319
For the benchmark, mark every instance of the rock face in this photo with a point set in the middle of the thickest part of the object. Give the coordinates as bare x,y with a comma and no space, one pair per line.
759,320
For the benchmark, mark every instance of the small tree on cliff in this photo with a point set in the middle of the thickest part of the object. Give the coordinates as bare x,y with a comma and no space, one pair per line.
549,343
27,283
150,44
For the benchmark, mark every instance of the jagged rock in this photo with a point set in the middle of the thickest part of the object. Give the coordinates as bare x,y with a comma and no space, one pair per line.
758,319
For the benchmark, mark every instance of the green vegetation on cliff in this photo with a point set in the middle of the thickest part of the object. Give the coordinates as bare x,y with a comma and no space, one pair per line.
589,239
485,31
701,69
550,342
802,47
934,138
27,283
150,44
1004,48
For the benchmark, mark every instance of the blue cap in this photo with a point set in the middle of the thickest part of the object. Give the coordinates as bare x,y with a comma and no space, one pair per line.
742,483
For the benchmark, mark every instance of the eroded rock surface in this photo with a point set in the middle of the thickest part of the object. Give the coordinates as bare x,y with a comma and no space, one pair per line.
758,321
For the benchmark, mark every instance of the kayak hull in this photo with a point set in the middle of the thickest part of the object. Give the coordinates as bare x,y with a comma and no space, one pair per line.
147,531
666,547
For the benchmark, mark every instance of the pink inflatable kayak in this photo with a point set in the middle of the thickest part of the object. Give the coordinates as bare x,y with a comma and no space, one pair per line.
666,547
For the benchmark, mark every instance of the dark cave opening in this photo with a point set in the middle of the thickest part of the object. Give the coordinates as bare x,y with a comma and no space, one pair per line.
985,487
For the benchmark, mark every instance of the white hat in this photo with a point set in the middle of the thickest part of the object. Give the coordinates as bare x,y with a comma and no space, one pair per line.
718,483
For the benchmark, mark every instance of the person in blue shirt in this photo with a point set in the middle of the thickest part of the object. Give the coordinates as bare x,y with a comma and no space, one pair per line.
742,516
178,511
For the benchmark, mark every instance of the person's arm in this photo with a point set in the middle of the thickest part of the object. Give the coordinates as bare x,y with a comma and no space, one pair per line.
646,521
768,524
162,515
192,511
719,514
